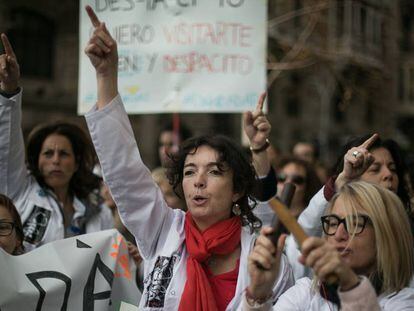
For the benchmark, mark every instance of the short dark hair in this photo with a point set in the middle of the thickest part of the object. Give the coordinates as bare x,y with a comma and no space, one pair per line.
230,154
397,155
83,180
18,227
184,132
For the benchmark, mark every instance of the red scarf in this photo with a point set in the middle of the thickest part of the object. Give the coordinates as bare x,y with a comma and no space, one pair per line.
221,238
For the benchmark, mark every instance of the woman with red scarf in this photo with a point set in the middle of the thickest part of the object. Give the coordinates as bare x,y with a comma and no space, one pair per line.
195,260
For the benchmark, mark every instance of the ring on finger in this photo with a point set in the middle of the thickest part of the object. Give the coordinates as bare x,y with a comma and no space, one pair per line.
355,153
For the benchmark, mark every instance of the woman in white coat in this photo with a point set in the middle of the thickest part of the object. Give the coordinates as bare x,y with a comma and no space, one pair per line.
56,194
367,245
195,260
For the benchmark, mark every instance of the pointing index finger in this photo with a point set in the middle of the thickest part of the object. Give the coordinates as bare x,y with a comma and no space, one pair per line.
368,143
7,46
92,16
259,106
258,111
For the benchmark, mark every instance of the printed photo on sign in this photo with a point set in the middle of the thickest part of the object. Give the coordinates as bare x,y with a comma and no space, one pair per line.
35,226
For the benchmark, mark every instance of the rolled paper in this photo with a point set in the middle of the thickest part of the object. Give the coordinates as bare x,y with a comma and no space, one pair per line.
293,226
286,197
289,221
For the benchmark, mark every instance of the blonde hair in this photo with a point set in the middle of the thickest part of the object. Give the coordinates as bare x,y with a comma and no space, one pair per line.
393,236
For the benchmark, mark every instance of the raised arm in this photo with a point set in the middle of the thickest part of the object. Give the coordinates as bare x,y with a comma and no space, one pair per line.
140,202
12,167
9,68
257,129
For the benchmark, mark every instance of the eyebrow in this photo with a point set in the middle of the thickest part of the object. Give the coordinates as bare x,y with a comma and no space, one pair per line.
47,148
210,164
379,163
349,215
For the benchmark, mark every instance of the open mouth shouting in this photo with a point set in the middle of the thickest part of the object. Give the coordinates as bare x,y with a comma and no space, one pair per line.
199,200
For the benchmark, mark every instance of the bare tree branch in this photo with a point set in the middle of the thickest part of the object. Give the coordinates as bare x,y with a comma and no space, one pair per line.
298,46
304,11
291,65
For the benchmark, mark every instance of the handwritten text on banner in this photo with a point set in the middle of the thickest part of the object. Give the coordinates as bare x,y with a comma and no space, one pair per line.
181,55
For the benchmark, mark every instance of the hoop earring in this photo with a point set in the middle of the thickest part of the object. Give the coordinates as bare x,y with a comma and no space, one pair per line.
236,209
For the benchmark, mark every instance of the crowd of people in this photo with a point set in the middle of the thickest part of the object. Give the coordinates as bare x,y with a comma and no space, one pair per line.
199,226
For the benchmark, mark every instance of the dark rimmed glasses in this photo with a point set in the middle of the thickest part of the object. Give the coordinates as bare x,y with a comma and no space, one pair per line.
296,179
6,228
352,224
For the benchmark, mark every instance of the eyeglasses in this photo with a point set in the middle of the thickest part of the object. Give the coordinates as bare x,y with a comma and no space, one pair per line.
6,228
352,224
296,179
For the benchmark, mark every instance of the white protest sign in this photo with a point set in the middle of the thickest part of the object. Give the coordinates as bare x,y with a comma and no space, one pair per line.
181,55
88,272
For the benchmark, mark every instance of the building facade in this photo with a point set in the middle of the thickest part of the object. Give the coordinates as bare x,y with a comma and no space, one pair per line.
336,68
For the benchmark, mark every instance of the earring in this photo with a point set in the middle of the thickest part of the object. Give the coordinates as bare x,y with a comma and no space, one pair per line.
236,209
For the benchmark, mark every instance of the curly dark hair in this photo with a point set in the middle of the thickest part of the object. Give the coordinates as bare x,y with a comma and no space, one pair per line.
230,155
7,203
83,181
398,157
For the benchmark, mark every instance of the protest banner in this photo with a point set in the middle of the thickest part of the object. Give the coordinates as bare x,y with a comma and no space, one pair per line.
181,55
88,272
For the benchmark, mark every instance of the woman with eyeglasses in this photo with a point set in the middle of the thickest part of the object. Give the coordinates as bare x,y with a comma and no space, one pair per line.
367,246
11,229
366,158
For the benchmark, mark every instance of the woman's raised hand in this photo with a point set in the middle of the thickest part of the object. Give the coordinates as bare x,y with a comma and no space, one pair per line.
103,54
326,261
266,255
256,126
9,68
356,161
257,129
101,48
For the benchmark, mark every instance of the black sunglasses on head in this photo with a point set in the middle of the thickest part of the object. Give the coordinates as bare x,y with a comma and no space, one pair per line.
296,179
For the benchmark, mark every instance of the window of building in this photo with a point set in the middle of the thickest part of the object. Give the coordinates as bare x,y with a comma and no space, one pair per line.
369,113
362,21
400,84
356,19
367,26
292,105
377,30
340,19
32,37
298,18
338,105
410,84
407,83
